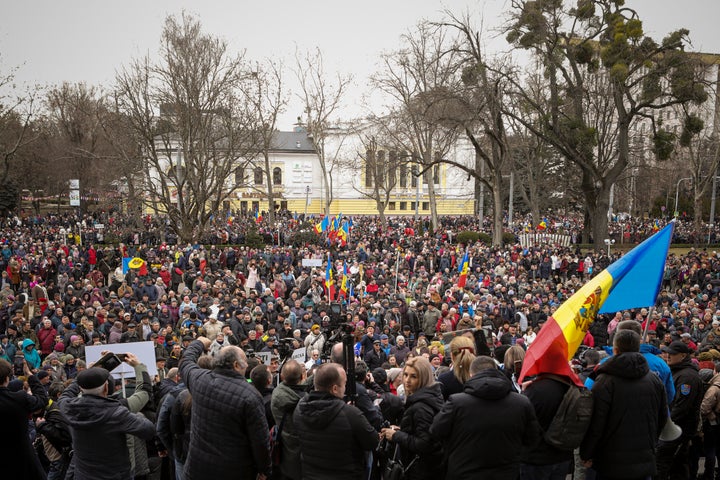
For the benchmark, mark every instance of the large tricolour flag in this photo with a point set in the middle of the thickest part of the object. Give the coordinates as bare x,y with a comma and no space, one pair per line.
463,270
633,281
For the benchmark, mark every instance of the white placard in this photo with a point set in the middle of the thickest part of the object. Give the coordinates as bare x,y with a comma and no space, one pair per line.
264,357
99,226
312,262
74,184
299,355
145,351
74,198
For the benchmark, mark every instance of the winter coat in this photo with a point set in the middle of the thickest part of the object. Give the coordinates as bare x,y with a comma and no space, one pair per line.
99,425
545,394
229,437
31,354
689,390
507,425
710,406
334,437
284,400
17,455
414,435
46,339
629,411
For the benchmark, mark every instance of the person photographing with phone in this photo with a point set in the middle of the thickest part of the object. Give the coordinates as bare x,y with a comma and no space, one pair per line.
99,424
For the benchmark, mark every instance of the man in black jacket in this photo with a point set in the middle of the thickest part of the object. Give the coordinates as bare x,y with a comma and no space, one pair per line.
17,456
334,436
507,414
99,425
630,410
672,457
230,436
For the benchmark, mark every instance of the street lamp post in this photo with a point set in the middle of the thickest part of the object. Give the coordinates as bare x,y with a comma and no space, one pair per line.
307,198
677,192
609,242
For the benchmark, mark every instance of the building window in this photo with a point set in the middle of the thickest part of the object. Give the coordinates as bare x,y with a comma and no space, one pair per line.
240,176
380,168
392,168
391,205
414,178
425,205
255,206
369,163
412,205
403,175
403,205
258,176
277,176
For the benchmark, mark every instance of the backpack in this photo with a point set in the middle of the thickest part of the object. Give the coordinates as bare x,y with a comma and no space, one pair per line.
572,419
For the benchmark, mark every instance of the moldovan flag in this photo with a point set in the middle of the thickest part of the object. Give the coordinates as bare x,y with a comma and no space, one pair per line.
463,270
632,281
329,283
542,225
344,282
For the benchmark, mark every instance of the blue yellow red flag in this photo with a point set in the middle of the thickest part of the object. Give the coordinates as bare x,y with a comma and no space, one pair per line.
633,281
463,270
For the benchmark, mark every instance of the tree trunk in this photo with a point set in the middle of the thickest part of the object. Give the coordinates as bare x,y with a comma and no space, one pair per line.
497,215
271,198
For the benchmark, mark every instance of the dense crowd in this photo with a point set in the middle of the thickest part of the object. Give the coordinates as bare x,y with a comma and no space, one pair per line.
396,287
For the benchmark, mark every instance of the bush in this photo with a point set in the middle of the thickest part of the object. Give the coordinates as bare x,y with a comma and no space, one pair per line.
301,239
467,237
508,238
484,238
254,240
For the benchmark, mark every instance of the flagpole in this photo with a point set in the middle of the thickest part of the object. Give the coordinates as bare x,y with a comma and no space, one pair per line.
651,310
397,266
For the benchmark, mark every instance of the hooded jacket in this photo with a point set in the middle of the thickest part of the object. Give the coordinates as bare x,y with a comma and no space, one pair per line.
31,354
414,436
487,445
710,406
333,438
284,400
630,409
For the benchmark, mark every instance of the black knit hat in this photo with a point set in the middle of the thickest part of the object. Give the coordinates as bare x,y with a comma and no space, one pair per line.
92,377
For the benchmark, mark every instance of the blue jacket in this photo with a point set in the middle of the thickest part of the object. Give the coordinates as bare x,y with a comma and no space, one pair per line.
31,354
656,364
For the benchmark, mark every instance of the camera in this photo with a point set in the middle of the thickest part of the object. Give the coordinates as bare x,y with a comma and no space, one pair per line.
110,361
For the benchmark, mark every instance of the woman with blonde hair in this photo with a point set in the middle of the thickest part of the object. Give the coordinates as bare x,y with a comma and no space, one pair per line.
418,450
462,353
512,364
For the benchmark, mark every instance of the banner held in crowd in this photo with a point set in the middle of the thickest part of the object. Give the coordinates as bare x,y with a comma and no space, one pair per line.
633,281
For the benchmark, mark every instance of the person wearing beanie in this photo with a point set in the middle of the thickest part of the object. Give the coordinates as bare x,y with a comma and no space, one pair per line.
99,424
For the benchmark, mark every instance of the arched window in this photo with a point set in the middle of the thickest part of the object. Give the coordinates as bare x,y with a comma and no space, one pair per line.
239,176
258,176
277,176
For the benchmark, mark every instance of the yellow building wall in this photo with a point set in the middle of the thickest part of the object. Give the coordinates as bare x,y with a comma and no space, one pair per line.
350,206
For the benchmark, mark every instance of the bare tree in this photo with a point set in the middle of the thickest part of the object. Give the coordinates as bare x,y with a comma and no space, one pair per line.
600,43
75,112
205,129
411,77
383,167
266,93
322,99
17,107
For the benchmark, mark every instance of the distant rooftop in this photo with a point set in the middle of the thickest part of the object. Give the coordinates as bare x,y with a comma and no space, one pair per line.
297,141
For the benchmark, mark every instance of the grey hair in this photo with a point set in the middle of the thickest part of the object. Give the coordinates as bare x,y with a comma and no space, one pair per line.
227,357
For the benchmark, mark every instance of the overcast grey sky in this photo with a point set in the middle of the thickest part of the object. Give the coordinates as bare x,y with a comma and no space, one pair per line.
52,41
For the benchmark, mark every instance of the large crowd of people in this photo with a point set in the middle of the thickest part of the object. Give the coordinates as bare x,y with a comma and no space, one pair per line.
437,366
